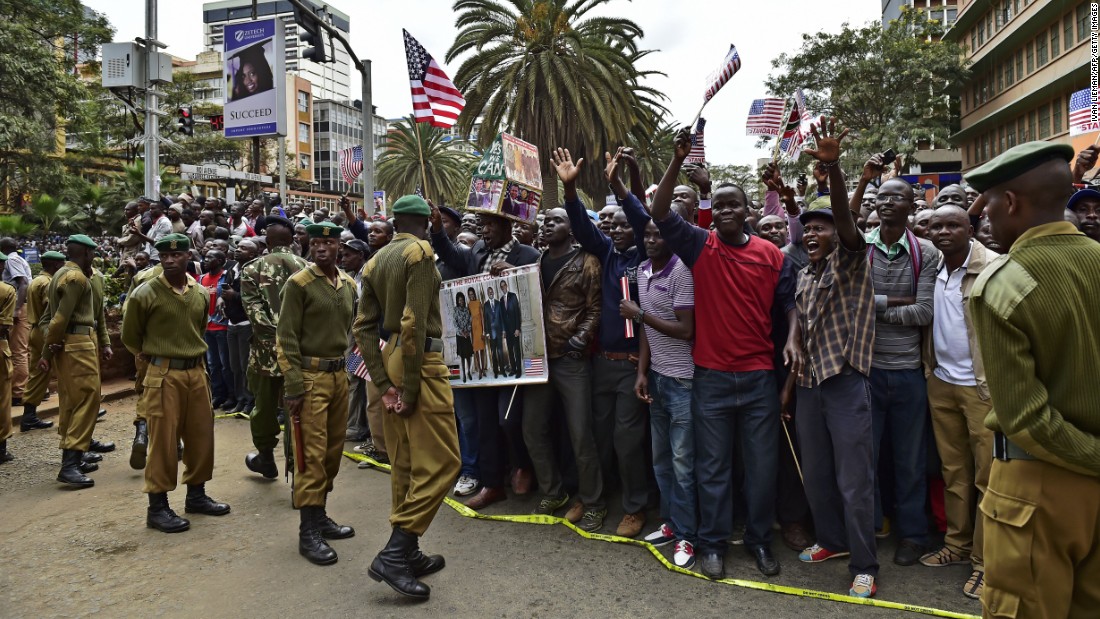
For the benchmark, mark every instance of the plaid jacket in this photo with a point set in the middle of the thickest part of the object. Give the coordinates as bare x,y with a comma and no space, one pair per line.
836,309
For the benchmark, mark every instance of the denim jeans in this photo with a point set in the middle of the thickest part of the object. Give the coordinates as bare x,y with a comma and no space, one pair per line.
218,366
899,413
728,407
466,414
674,451
239,336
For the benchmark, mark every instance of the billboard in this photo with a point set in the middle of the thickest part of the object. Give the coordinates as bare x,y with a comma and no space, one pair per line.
507,181
255,84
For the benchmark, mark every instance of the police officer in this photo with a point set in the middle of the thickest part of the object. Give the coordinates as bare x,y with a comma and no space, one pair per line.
164,324
401,283
1036,312
37,302
262,282
70,343
139,450
314,321
7,317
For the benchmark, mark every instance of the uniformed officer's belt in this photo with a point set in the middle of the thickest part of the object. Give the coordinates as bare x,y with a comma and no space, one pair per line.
175,364
80,329
1004,449
431,344
323,365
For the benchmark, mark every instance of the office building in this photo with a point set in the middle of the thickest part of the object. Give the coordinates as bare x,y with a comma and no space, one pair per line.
338,125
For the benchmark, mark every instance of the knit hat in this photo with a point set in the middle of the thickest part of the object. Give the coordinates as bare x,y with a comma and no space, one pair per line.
324,230
53,255
81,239
173,242
1016,161
411,205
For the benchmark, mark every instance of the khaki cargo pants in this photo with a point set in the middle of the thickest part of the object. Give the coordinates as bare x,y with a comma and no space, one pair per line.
5,391
324,420
39,381
77,390
176,404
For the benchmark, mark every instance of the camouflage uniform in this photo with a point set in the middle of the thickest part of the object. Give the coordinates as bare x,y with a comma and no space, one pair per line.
262,282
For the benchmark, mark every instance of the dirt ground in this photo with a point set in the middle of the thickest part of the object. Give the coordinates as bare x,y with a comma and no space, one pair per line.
88,553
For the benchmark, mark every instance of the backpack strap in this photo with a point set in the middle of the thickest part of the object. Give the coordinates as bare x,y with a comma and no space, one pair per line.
916,254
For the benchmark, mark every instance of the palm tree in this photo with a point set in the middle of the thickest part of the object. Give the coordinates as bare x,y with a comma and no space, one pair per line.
16,226
555,76
448,169
53,214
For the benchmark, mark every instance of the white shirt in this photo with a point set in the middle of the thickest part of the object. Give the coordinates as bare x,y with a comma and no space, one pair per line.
17,267
953,361
161,228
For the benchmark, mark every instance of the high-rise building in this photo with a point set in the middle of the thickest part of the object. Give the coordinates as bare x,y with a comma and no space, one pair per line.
338,125
330,80
1027,58
943,11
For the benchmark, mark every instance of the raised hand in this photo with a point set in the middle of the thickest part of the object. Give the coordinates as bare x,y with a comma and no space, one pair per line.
568,171
611,169
682,143
700,177
1086,160
436,217
828,141
628,158
873,168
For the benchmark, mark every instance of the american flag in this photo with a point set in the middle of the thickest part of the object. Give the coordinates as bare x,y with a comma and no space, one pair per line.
800,105
351,163
1080,113
355,364
792,146
435,99
532,367
697,155
765,117
718,79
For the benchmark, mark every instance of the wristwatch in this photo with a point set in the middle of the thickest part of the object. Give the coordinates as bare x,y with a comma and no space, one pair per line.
638,317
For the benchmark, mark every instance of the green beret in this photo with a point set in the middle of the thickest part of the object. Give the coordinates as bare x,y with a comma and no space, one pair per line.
53,255
173,242
411,205
1016,161
324,230
81,239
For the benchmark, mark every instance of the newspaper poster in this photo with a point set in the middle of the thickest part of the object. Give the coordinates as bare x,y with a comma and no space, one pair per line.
493,334
507,181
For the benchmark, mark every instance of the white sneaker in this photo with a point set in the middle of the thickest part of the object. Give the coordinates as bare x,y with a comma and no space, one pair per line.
365,447
684,556
466,485
663,535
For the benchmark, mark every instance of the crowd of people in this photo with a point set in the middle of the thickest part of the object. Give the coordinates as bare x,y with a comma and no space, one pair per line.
842,364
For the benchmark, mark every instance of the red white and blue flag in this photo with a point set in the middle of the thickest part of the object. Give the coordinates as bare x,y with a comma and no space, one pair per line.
697,154
765,117
730,65
1080,113
436,100
355,364
351,163
532,367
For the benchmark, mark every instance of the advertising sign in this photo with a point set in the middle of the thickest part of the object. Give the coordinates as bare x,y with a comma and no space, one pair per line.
507,181
380,203
255,79
493,333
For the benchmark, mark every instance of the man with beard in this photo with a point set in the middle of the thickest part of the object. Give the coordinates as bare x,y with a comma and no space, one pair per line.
1036,312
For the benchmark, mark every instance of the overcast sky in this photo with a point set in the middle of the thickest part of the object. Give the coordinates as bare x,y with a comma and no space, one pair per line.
692,37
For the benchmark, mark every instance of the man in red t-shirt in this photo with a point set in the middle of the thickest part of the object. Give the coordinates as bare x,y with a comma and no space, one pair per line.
734,395
217,333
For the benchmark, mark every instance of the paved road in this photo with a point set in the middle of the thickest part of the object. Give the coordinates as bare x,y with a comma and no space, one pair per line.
83,553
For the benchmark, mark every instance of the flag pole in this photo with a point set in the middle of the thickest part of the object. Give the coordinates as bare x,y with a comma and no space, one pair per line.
699,113
420,151
779,138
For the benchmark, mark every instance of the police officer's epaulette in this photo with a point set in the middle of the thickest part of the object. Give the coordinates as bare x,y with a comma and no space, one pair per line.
1003,284
419,250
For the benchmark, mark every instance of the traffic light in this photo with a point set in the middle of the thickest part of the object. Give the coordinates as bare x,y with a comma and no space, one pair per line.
312,34
186,121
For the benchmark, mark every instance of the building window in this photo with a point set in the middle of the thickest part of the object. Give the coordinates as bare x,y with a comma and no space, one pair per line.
1032,125
303,132
1040,51
1054,51
303,102
1001,140
1010,77
303,162
1056,115
1010,137
952,14
1019,65
1000,81
1021,130
1082,21
1030,58
981,34
1044,121
974,40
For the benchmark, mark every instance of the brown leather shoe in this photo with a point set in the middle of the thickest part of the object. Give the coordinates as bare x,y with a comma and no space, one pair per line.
575,513
796,537
631,525
486,497
522,480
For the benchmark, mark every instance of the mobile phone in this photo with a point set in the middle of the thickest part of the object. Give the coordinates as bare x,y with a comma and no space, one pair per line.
802,177
889,156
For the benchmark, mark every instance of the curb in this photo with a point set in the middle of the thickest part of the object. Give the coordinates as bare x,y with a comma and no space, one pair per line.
53,409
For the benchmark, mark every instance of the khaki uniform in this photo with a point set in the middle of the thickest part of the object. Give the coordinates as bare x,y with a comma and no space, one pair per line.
7,313
166,327
315,317
423,444
37,301
72,324
140,363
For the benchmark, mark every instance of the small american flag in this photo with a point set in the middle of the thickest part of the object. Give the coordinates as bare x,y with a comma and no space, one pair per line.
800,105
351,163
718,79
436,100
792,146
765,117
355,364
532,367
697,155
1080,113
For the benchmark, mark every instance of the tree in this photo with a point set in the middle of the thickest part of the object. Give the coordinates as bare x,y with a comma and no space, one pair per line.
553,75
16,226
891,86
448,169
54,215
743,176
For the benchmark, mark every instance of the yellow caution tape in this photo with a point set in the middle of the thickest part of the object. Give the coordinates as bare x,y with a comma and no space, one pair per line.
736,582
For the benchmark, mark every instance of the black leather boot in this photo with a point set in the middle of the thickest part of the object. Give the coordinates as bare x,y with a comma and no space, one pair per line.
199,503
141,445
5,455
88,467
31,421
70,470
161,517
392,566
102,448
423,564
310,543
263,462
91,457
330,530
